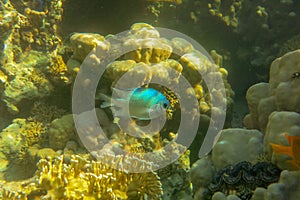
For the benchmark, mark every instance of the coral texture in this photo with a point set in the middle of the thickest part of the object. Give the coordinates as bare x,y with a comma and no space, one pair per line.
81,179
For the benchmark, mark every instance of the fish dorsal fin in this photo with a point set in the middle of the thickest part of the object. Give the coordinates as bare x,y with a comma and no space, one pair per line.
123,94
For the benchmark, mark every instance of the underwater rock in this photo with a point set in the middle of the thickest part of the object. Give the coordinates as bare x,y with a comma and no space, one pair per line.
281,125
258,193
236,145
274,109
232,197
18,137
265,107
73,66
30,37
27,81
254,94
280,94
287,188
83,43
202,172
61,131
219,196
284,81
175,179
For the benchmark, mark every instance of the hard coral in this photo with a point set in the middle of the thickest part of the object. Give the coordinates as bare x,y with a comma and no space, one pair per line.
16,138
293,151
82,179
28,37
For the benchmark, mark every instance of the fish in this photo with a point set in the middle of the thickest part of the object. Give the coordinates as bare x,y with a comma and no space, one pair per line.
293,151
143,103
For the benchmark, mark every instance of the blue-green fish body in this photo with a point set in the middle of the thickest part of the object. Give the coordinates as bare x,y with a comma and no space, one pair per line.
142,103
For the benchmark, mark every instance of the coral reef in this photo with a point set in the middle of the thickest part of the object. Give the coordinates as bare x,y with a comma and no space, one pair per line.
243,178
61,131
175,178
236,150
292,151
271,141
36,65
152,58
226,11
29,37
279,126
18,137
291,44
81,179
282,92
275,112
259,30
286,188
237,145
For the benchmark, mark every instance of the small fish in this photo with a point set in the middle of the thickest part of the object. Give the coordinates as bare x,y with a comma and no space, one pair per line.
143,103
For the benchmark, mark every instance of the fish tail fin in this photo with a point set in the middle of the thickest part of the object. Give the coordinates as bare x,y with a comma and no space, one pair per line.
105,105
107,101
117,106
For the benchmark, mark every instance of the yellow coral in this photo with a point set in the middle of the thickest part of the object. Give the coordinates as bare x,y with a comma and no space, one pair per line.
3,77
173,101
58,68
86,180
33,132
225,10
45,113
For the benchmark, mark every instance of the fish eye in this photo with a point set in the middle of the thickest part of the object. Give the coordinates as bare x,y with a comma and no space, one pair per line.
165,105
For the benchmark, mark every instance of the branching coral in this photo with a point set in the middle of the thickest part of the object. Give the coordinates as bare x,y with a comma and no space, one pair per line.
81,179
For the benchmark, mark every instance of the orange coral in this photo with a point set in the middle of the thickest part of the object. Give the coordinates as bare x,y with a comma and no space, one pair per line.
292,151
